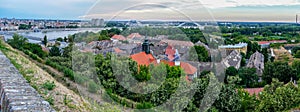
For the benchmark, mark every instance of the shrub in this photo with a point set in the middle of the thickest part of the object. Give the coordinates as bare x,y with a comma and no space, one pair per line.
92,87
50,100
49,85
144,105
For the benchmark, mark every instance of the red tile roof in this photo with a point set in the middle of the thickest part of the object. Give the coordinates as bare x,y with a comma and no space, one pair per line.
170,51
272,41
255,91
117,50
188,68
118,37
134,35
142,58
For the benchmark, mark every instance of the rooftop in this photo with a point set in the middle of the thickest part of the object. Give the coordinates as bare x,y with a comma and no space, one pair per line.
118,37
272,41
178,43
142,58
134,35
240,45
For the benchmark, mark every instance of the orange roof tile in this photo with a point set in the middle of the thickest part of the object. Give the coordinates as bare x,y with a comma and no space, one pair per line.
133,35
118,37
272,41
142,58
188,68
170,51
117,50
255,91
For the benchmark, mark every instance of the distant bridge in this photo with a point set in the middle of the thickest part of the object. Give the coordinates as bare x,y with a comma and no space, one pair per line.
186,23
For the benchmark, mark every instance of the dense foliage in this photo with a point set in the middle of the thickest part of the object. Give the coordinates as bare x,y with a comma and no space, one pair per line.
199,53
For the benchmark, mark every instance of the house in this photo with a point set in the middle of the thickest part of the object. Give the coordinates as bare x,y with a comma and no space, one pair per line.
241,47
146,58
178,43
266,44
134,36
233,59
171,53
118,38
143,58
254,91
257,61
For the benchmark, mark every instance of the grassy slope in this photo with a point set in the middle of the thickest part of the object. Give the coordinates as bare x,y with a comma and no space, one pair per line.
63,98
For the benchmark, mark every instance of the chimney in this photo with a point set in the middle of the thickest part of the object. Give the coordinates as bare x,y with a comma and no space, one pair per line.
158,61
177,63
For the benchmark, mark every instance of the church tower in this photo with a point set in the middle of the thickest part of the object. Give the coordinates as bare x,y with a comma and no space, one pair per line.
146,46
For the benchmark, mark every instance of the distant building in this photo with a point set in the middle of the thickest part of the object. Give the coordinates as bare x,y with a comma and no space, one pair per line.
241,47
257,61
254,91
134,36
266,44
146,58
178,43
97,22
118,38
233,59
172,54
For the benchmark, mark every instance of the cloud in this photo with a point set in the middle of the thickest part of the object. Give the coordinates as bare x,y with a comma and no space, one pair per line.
236,3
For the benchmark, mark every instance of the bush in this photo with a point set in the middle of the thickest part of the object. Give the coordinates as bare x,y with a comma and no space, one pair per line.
92,87
50,100
49,85
144,105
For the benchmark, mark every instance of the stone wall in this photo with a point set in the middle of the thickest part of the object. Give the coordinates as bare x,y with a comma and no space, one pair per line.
16,95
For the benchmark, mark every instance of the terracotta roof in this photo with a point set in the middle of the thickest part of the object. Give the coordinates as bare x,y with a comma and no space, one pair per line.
134,35
188,68
118,37
170,63
255,91
117,50
272,41
142,58
170,52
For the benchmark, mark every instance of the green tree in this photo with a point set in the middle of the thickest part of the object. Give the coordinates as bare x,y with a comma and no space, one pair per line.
249,102
54,51
248,76
297,55
45,40
144,74
229,100
17,41
295,49
230,71
280,70
278,97
67,50
266,54
296,66
199,53
65,39
60,39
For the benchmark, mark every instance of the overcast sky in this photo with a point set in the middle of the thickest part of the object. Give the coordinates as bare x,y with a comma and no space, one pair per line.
219,10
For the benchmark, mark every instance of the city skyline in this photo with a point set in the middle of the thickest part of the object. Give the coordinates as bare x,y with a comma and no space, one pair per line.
218,10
